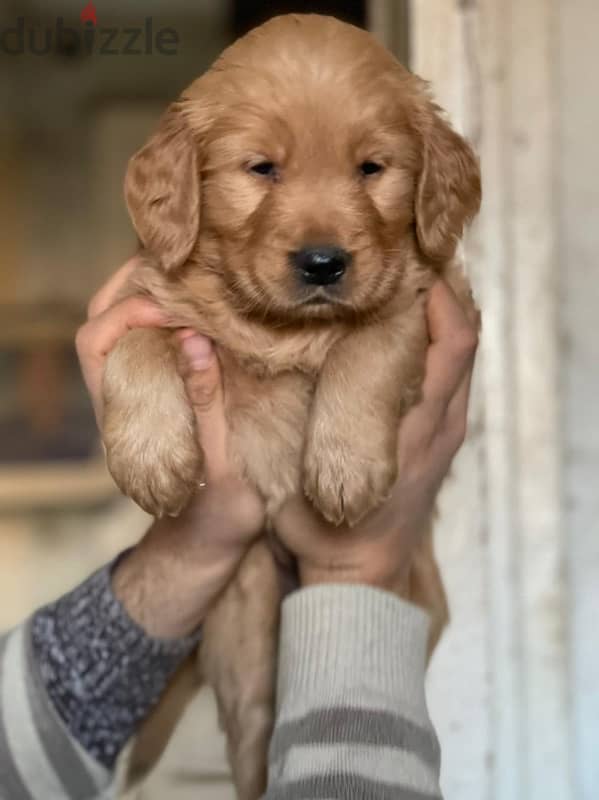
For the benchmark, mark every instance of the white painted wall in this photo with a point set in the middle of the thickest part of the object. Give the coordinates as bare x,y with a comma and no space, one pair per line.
578,194
514,690
459,689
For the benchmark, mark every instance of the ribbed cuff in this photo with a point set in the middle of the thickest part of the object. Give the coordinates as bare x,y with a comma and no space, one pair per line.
343,643
102,672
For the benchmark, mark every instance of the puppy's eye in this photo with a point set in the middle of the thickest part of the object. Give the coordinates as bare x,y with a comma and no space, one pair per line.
370,168
266,168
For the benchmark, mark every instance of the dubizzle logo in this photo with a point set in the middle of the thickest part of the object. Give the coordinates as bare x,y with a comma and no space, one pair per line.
90,39
89,14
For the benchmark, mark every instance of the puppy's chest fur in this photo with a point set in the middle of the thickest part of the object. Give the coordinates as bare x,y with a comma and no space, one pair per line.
271,373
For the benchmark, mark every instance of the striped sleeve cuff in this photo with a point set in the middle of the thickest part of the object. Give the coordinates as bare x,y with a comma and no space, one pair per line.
352,718
39,760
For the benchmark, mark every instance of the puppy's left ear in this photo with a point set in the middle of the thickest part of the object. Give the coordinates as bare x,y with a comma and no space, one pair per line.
448,194
162,190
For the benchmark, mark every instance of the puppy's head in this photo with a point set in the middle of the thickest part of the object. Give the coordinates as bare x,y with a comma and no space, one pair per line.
306,167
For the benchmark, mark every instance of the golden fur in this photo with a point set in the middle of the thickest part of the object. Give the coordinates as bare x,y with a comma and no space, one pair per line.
316,378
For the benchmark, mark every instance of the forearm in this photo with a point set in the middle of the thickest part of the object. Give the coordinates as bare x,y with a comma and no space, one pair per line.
351,712
168,582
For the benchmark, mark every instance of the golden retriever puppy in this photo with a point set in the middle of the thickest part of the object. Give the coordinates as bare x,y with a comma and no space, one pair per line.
295,204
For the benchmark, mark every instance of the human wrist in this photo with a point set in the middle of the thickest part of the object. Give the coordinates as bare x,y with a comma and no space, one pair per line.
168,587
377,552
390,580
170,579
374,563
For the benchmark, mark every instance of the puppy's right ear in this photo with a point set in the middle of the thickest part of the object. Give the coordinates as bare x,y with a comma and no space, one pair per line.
162,191
449,193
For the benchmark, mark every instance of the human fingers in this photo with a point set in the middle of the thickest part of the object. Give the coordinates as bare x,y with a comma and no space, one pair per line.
454,340
108,292
96,338
201,373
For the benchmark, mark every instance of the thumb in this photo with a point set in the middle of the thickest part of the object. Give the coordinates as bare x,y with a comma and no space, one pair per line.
201,374
200,371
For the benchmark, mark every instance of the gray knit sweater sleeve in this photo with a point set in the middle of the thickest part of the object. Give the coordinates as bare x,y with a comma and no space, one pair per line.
75,682
352,720
102,672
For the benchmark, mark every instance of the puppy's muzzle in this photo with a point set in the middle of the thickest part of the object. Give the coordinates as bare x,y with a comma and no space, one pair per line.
322,265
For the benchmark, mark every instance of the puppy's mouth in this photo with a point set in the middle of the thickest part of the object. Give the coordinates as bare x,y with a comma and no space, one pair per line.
323,303
320,297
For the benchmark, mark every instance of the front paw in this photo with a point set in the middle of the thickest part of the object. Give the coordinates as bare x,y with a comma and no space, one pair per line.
345,482
155,462
161,488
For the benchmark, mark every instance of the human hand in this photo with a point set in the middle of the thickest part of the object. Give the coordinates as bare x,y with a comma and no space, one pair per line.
168,581
378,551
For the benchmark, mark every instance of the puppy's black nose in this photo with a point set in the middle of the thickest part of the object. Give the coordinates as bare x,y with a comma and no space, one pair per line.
321,265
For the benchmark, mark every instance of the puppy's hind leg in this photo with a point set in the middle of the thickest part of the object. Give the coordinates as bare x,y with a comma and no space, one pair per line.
238,659
148,426
156,731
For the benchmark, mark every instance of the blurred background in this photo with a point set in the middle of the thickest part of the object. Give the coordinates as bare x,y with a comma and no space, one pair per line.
514,686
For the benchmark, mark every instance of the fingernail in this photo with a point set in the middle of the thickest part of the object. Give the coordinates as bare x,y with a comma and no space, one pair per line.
199,351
